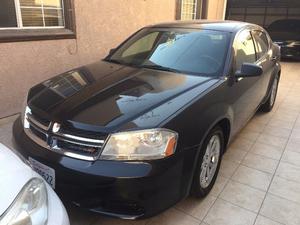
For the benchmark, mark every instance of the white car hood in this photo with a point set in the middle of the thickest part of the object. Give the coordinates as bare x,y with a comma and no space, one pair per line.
14,174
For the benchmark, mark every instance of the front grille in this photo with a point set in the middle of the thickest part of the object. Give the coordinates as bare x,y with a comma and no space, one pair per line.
36,122
82,148
45,122
38,133
89,150
62,142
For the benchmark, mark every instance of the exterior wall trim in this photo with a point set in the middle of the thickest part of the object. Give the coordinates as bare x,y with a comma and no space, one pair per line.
224,9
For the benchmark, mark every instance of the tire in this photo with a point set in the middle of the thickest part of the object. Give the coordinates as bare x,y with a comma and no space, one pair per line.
202,182
269,104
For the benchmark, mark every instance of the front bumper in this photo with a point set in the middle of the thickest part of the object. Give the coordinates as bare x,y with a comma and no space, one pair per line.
127,190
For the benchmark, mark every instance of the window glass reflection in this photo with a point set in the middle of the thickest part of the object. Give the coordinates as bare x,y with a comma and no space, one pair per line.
67,85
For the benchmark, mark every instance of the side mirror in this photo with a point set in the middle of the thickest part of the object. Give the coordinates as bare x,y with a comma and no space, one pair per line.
249,70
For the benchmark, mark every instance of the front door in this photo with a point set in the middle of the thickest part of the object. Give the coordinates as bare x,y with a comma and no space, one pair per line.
245,93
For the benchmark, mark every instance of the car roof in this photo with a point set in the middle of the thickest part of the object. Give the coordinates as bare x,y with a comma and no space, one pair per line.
220,25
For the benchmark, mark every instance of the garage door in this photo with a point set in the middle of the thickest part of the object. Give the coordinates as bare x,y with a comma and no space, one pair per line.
262,12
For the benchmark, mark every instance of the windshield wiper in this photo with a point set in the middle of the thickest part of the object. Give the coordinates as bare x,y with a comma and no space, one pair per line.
121,62
114,61
154,67
158,67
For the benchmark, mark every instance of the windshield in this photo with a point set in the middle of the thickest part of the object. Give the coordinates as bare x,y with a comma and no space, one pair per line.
285,26
188,51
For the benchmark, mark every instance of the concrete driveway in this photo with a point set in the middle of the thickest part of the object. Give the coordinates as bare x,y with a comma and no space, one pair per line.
259,180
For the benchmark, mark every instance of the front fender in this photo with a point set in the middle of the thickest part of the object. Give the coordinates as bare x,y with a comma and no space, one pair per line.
193,125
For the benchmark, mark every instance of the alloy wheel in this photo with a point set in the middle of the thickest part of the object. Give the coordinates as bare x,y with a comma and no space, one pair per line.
210,161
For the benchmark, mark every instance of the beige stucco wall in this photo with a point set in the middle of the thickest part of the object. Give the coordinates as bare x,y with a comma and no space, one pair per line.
101,25
216,9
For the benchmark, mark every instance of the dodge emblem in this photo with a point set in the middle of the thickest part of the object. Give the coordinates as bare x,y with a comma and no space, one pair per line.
56,127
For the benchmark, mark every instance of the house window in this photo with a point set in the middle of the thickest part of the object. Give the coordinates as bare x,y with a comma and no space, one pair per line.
190,9
44,18
41,13
31,14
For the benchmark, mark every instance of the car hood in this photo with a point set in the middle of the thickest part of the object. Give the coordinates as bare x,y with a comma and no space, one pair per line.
110,96
14,174
284,36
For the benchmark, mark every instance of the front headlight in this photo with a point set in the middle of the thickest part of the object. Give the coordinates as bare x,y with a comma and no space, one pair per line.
30,207
140,145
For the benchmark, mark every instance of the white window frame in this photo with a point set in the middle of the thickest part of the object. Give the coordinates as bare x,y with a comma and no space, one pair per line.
20,21
195,4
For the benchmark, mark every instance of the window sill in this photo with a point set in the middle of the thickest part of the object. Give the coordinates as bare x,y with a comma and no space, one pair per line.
35,34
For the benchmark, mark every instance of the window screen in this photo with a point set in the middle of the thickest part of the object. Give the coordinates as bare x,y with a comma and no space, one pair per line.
31,13
188,9
144,44
41,13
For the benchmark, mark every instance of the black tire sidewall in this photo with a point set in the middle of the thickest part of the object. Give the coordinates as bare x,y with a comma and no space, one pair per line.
267,107
196,189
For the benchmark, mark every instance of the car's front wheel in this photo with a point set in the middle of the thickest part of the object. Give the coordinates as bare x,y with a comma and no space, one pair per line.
269,104
208,164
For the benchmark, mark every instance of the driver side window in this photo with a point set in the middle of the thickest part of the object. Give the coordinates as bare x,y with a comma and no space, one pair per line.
244,49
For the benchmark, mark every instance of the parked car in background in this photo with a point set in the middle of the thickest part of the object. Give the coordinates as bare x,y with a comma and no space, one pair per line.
286,33
131,135
25,198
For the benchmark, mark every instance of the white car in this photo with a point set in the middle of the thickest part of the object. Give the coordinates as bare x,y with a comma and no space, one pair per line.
25,198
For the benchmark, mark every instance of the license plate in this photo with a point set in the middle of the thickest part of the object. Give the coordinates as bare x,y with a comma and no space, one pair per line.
45,171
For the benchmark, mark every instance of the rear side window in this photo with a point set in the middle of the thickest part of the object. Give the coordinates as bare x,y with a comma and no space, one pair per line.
244,49
261,43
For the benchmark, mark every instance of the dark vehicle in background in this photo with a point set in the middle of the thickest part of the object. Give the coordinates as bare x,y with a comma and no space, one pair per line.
131,135
286,33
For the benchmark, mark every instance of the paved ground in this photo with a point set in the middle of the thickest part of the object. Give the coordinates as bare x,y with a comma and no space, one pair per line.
259,181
